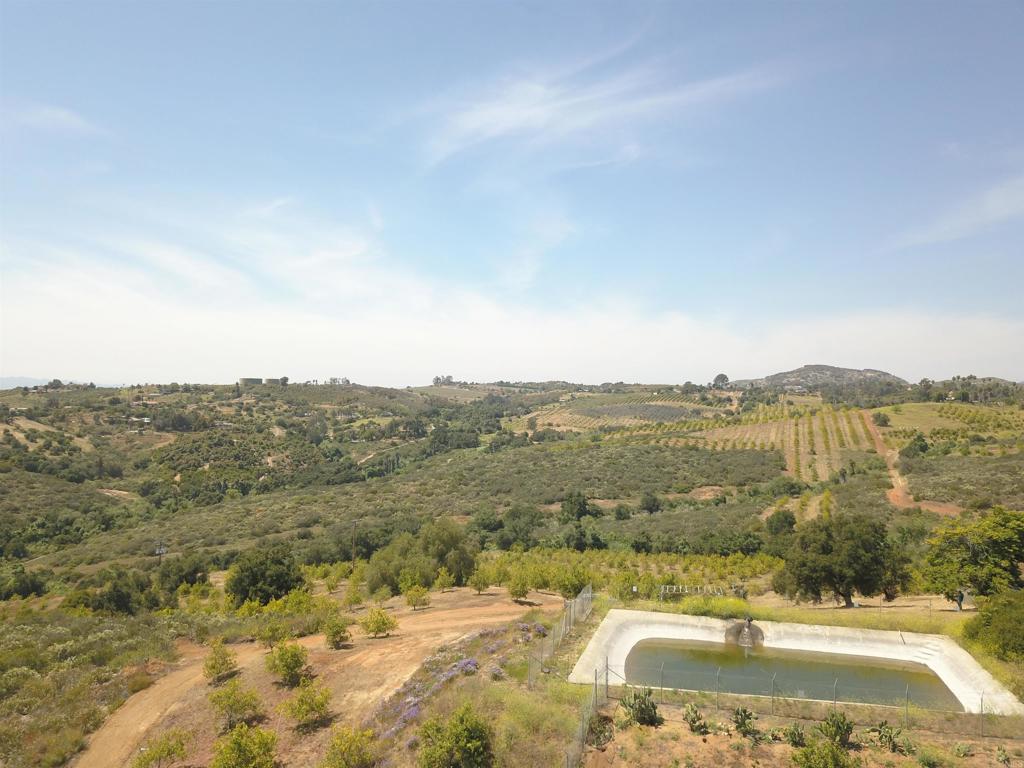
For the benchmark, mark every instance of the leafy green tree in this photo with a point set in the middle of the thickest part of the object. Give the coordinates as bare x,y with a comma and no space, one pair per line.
480,580
417,597
519,585
983,556
999,625
221,662
465,740
350,748
309,707
575,507
263,574
165,749
781,522
444,580
880,418
916,447
842,555
288,662
336,631
721,381
245,747
378,622
235,704
650,503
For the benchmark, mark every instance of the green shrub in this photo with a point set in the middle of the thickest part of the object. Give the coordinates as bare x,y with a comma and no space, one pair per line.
823,754
288,662
245,747
929,757
220,663
889,737
463,741
695,719
310,706
378,622
336,631
744,719
794,735
350,749
165,749
960,749
998,625
235,704
640,707
837,728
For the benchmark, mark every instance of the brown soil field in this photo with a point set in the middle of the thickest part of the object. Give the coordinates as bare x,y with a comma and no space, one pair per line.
359,678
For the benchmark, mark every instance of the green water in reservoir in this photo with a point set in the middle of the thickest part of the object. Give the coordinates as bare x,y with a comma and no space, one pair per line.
798,674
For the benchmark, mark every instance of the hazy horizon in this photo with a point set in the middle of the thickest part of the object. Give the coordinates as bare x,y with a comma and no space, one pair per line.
581,192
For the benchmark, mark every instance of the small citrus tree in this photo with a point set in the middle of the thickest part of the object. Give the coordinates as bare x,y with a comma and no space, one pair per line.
221,662
480,580
444,580
350,749
236,704
417,597
309,707
288,662
519,586
378,622
245,747
336,631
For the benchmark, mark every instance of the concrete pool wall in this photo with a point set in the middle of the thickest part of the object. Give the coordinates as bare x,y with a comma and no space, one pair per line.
622,629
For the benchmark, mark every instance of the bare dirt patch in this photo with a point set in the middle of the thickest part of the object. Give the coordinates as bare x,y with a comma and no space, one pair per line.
116,494
359,677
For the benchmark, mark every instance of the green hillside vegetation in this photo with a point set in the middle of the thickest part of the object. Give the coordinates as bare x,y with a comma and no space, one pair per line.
545,486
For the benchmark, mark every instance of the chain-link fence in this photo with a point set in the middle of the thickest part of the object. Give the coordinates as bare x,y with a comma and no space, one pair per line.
575,611
595,698
725,690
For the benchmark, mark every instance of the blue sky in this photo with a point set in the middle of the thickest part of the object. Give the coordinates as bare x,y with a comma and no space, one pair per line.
594,191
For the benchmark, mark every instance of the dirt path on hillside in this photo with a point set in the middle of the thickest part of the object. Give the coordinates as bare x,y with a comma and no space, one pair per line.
117,740
359,678
899,495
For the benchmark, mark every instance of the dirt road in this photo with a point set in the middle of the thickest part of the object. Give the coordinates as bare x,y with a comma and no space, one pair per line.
359,678
899,495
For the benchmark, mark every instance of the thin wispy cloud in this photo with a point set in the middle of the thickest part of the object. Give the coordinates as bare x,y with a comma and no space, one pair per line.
540,108
996,205
54,119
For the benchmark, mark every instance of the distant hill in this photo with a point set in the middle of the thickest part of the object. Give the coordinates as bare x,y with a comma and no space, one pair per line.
813,377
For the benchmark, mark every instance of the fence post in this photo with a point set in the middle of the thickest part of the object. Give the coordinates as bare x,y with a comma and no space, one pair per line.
662,682
595,686
835,693
906,709
606,677
773,692
718,687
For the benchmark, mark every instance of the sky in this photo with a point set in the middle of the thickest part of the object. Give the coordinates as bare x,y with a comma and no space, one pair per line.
590,191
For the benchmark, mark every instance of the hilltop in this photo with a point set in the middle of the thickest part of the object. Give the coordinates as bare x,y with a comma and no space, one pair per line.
812,377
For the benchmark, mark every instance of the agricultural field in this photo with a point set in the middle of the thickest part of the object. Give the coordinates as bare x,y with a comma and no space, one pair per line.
971,429
583,412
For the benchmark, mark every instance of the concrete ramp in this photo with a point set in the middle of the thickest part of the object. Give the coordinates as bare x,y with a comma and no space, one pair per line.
958,670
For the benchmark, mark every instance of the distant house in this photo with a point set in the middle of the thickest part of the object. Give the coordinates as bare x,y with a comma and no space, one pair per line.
272,381
249,382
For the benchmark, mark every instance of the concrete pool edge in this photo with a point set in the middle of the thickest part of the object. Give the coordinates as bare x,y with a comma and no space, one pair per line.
622,629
